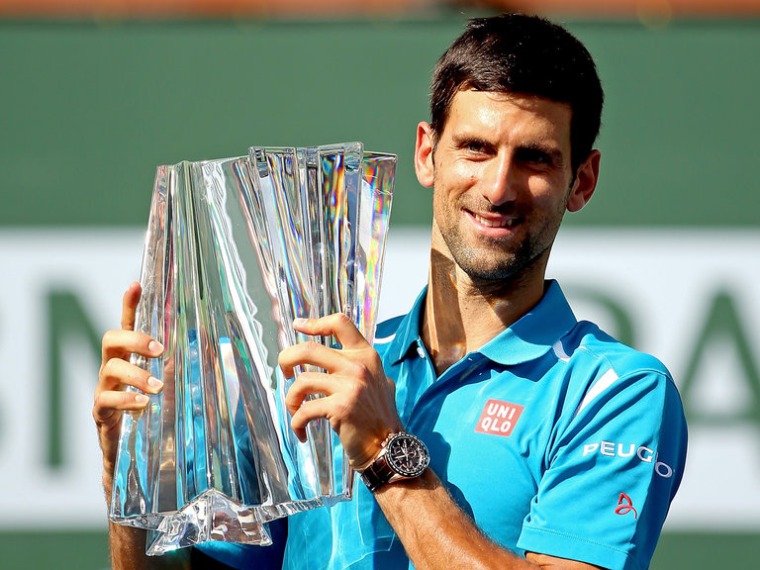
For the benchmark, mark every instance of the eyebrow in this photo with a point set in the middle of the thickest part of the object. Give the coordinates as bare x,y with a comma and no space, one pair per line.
554,154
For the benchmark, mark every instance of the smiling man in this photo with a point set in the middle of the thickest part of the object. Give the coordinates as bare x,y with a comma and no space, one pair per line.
490,428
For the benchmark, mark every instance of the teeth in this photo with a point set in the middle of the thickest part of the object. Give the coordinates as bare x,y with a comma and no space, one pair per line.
494,223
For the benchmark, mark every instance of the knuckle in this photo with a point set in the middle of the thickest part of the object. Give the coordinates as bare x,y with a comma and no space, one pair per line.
335,424
297,420
107,370
355,387
360,371
294,399
292,402
342,319
97,406
341,409
107,339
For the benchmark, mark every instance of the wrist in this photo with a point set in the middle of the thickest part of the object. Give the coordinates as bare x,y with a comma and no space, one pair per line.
372,453
402,456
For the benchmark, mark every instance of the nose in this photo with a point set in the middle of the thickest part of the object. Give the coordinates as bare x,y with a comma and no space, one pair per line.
499,180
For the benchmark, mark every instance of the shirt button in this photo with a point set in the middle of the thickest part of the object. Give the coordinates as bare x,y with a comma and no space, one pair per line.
420,351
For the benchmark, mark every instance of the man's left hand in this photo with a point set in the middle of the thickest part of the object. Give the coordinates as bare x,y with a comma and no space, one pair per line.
358,398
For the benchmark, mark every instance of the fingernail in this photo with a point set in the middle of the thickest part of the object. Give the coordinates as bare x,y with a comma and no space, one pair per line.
154,382
141,398
299,322
155,347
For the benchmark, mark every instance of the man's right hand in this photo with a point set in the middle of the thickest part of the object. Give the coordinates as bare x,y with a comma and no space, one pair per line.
111,399
116,373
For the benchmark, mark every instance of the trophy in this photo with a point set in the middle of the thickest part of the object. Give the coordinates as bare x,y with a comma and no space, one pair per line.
236,249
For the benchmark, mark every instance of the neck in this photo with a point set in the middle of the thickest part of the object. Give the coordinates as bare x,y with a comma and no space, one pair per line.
461,315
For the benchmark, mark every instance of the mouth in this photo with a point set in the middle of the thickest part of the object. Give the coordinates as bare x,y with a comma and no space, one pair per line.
495,221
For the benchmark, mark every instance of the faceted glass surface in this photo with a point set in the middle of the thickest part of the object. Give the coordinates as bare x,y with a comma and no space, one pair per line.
235,250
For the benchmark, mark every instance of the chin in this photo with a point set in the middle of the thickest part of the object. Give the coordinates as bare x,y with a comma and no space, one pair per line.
510,268
480,272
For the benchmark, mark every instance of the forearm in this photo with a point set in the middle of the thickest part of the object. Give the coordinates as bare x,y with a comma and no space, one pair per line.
127,546
436,533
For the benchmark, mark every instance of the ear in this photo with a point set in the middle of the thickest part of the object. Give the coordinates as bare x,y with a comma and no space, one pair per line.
585,182
423,155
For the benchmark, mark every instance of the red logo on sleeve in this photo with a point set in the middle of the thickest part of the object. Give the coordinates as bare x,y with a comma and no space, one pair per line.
498,418
625,506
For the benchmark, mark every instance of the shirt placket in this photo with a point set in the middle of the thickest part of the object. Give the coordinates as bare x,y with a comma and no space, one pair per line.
445,384
415,375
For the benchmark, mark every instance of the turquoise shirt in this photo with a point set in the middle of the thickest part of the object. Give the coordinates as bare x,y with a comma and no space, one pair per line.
554,437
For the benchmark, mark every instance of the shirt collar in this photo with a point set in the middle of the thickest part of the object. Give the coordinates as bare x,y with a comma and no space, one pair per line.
536,332
532,336
408,332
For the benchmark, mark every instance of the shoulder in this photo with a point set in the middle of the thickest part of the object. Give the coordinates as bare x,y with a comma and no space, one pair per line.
587,344
603,373
617,396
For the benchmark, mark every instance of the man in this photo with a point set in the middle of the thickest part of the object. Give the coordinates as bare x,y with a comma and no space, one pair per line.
551,445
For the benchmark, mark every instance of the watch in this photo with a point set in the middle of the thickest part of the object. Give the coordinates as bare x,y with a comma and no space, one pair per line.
403,456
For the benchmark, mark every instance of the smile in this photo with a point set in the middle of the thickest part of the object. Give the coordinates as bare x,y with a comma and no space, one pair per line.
495,222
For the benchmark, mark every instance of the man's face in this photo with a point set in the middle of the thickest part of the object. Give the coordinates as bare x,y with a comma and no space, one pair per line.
502,181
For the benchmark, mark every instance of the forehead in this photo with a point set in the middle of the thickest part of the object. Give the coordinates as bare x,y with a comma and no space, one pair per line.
488,113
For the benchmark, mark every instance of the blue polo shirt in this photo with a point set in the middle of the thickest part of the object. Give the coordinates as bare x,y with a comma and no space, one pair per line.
554,437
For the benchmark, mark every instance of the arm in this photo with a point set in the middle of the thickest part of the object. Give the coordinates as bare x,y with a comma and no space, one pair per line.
127,544
445,537
360,406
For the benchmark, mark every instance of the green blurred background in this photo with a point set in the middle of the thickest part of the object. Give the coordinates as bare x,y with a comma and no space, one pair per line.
89,108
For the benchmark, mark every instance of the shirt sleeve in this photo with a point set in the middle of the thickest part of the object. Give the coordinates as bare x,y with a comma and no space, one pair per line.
611,473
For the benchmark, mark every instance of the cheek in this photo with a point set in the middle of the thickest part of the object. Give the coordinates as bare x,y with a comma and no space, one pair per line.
549,192
441,203
542,198
466,174
458,174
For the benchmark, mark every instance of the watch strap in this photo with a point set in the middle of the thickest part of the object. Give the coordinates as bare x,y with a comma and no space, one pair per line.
377,474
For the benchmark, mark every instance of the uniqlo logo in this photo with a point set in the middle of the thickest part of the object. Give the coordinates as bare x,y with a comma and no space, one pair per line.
499,418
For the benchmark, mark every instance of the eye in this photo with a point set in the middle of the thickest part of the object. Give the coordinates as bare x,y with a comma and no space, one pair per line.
475,147
534,156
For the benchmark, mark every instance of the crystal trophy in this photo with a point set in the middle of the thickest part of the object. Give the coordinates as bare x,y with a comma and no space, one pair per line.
235,250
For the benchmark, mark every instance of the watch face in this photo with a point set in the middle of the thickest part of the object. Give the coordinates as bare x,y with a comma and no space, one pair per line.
407,455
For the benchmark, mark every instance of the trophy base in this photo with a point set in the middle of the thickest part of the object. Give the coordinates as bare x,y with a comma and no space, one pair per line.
212,516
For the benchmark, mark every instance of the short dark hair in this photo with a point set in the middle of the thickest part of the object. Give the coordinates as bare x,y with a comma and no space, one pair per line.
515,53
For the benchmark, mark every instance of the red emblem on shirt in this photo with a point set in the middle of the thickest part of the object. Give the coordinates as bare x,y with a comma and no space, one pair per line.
625,506
499,418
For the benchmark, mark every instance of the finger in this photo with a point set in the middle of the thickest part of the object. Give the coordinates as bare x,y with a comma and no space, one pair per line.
337,325
129,305
118,373
108,404
119,342
308,384
310,410
308,353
